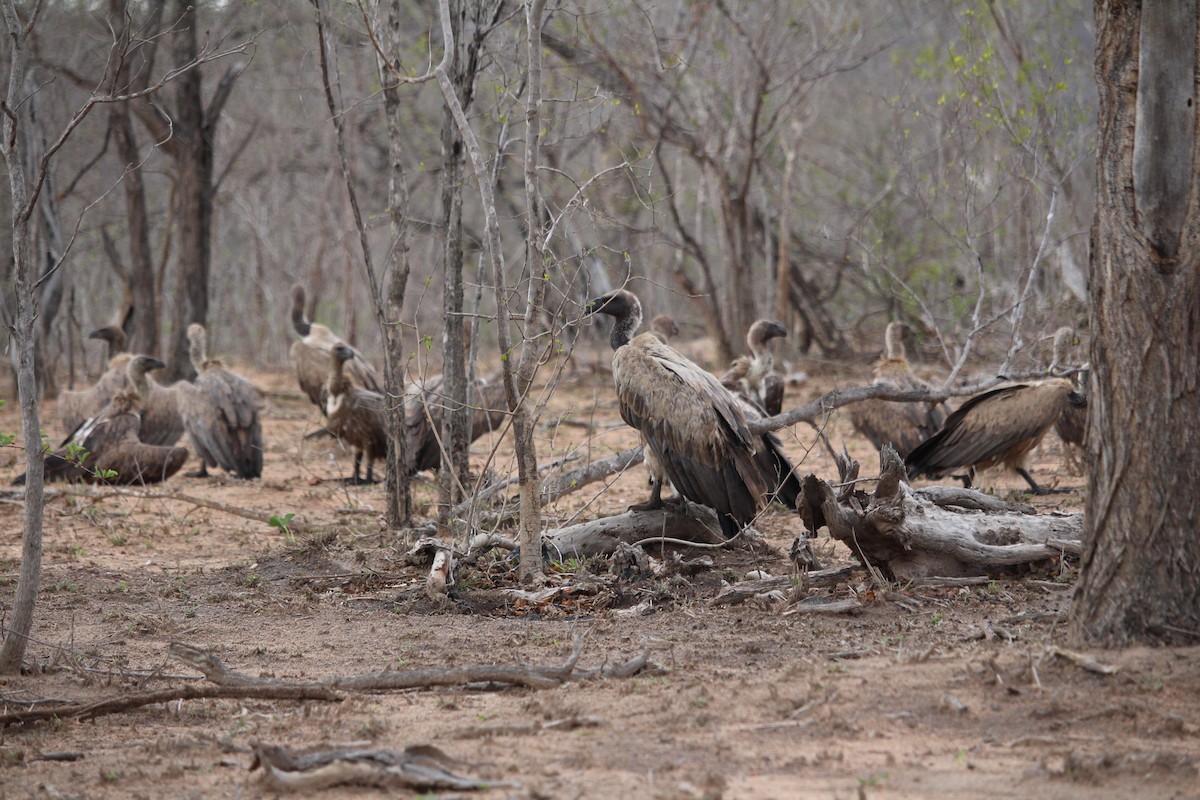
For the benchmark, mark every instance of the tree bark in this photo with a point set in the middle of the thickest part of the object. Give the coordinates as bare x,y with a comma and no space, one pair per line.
16,152
1140,572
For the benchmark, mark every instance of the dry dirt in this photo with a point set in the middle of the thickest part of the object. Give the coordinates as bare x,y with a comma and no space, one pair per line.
904,699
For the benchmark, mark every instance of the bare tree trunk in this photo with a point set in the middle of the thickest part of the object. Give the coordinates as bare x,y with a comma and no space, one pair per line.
139,274
399,513
16,150
1140,573
535,345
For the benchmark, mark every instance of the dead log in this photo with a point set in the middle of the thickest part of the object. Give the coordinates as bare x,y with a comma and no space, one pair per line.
913,534
689,523
417,767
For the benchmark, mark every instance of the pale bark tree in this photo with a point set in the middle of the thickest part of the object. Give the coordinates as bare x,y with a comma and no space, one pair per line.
1140,573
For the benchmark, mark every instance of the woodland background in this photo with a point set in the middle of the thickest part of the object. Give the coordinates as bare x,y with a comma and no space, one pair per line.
834,165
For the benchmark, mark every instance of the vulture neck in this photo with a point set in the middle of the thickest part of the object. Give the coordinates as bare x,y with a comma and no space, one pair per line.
137,376
893,343
299,321
337,377
196,351
1060,347
116,342
626,325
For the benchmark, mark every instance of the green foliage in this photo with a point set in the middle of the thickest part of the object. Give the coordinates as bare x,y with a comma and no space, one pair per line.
283,523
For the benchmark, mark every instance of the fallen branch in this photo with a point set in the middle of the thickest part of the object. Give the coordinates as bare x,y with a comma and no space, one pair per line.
418,767
232,684
745,590
908,536
602,536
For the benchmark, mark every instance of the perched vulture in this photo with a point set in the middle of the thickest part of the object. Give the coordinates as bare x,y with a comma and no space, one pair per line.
426,406
691,423
665,326
355,415
1071,427
161,423
220,412
1001,426
902,425
105,448
311,356
753,377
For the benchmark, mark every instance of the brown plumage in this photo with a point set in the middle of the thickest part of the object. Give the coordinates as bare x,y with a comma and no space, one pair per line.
426,410
161,422
111,450
220,412
310,356
753,377
997,427
902,425
1072,425
665,326
692,424
355,415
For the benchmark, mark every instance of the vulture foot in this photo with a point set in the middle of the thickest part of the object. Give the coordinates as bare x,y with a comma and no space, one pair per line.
357,481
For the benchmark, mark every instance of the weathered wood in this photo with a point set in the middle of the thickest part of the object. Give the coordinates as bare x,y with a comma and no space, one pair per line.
744,590
907,536
601,537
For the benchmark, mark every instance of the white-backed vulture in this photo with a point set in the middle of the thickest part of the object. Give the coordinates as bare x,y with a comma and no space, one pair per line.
106,449
161,422
665,326
753,377
1001,426
355,415
692,424
902,425
426,411
311,355
1072,425
220,412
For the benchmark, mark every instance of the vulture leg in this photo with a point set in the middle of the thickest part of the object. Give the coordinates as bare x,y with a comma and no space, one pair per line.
355,480
655,501
198,473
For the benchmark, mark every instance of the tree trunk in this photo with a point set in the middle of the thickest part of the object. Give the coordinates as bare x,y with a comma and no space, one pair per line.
193,156
1140,574
16,148
139,273
399,513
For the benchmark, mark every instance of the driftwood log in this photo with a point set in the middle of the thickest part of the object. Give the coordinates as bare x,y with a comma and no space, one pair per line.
686,523
909,534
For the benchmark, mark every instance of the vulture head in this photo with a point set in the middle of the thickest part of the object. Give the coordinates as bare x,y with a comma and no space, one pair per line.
1064,338
625,307
762,332
111,334
893,340
342,353
299,320
136,370
665,326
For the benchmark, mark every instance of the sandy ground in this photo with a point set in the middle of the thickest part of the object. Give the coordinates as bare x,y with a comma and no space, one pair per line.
954,692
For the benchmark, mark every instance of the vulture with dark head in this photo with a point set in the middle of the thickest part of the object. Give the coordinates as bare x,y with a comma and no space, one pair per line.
753,377
665,326
220,412
311,355
161,423
902,425
106,447
1071,427
691,423
1001,426
355,415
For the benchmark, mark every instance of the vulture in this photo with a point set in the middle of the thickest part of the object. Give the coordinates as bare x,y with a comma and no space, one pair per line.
426,408
1071,427
355,415
665,326
311,356
105,448
220,412
902,425
161,423
1001,426
753,377
691,423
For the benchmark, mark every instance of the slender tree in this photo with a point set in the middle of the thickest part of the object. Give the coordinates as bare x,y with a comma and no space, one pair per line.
1140,573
